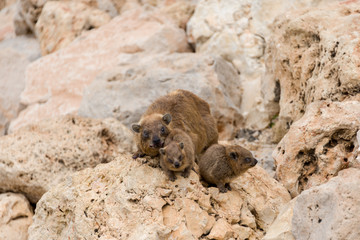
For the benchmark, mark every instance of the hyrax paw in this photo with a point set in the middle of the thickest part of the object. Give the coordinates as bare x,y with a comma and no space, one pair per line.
185,174
223,189
172,178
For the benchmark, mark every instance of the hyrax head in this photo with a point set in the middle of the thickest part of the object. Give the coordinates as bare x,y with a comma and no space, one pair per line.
153,130
240,158
173,155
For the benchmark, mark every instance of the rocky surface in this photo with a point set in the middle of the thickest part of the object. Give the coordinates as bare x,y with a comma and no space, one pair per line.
6,24
127,199
55,83
329,211
239,31
37,157
315,60
126,91
318,145
61,22
15,216
15,55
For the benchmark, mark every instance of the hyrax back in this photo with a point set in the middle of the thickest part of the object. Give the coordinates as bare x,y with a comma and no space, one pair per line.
178,155
179,109
220,164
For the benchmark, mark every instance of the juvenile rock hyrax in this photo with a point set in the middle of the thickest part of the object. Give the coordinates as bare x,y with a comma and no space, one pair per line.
179,109
220,164
178,155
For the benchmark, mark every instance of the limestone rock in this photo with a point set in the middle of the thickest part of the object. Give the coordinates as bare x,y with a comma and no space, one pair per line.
37,157
126,91
15,55
15,216
55,83
328,211
315,60
128,199
61,22
6,22
238,32
318,145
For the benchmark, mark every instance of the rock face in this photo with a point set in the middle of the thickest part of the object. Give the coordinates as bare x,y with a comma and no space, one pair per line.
127,199
315,60
37,157
15,216
6,23
15,55
61,22
238,31
318,145
55,83
329,211
126,91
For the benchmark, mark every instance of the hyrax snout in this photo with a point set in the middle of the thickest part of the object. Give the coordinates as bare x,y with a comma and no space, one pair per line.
221,164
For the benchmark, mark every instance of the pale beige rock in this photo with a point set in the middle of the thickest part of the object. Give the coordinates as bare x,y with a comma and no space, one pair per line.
15,216
126,91
221,230
128,199
328,211
281,228
6,22
55,83
37,157
15,55
61,22
315,60
238,31
318,145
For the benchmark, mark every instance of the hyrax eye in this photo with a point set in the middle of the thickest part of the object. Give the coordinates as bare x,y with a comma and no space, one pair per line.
180,158
170,160
247,160
162,129
145,134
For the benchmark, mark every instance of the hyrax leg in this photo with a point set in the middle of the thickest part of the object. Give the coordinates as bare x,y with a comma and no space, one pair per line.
186,172
137,154
222,187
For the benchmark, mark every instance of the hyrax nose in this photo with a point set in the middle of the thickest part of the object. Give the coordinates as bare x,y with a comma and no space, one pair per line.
254,162
156,140
177,164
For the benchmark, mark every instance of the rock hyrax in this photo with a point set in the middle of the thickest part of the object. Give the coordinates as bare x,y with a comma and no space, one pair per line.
220,164
178,155
179,109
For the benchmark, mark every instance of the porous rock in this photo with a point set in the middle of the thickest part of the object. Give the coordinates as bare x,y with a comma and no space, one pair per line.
37,157
318,145
314,55
126,91
55,83
128,199
15,216
61,22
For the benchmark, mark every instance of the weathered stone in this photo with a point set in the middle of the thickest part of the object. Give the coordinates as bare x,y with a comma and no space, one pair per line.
15,55
128,199
55,83
126,91
315,60
61,22
281,228
238,31
15,216
318,145
221,230
37,157
328,211
6,22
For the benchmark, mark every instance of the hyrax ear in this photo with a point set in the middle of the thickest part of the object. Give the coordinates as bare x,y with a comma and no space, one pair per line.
181,145
162,151
234,155
167,118
135,127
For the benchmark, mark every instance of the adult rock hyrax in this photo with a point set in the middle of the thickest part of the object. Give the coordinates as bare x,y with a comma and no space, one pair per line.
220,164
178,155
179,109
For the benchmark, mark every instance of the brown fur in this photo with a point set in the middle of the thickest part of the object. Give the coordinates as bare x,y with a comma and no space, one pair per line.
188,113
179,149
220,164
